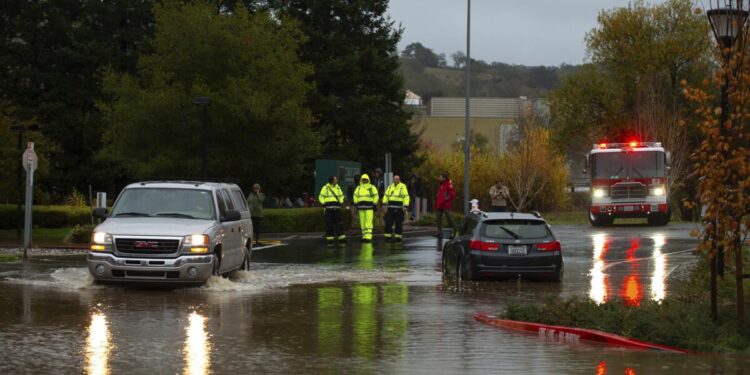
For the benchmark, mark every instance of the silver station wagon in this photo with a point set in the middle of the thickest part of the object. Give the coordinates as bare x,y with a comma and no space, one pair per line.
172,232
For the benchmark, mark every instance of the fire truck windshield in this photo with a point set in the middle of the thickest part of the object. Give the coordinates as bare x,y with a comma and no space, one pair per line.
646,164
640,164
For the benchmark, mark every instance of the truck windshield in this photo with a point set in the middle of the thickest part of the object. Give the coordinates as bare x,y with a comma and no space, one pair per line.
639,164
646,164
608,165
180,203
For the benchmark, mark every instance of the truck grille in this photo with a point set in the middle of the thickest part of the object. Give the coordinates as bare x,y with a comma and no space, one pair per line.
628,190
146,246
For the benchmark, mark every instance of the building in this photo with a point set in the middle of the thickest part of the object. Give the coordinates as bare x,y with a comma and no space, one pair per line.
495,119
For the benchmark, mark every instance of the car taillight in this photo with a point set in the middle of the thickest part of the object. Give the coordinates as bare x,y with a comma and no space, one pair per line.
549,246
483,246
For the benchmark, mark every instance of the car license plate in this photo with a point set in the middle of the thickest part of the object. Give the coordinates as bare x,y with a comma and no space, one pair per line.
516,250
629,208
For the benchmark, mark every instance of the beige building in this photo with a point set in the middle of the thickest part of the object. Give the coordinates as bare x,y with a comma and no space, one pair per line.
494,118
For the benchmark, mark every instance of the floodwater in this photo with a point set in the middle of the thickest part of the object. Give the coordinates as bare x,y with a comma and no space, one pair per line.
362,308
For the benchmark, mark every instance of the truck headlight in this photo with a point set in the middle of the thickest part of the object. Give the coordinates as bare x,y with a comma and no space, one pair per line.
101,241
657,191
196,243
599,192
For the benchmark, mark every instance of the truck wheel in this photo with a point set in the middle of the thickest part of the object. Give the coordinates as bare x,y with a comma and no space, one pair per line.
248,250
599,220
217,265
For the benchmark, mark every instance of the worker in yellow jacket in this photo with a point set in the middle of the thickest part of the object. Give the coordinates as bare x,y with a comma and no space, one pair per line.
332,199
366,197
396,201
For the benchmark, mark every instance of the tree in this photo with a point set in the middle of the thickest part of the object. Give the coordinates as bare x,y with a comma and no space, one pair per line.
49,71
247,65
359,94
721,161
423,55
534,171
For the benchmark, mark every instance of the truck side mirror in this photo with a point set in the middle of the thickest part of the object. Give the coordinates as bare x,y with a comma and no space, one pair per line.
231,215
585,163
668,159
100,213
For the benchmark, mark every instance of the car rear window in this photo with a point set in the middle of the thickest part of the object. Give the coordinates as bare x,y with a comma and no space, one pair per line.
516,229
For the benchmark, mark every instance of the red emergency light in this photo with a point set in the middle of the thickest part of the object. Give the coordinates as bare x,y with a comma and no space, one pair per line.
602,145
633,144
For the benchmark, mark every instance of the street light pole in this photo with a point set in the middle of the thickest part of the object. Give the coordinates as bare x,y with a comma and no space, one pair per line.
467,125
204,102
18,129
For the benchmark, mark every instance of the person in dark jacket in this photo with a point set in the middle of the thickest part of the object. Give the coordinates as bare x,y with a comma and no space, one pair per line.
444,203
255,201
350,201
332,199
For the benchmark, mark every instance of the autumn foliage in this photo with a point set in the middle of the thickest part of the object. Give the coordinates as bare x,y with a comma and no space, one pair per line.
535,173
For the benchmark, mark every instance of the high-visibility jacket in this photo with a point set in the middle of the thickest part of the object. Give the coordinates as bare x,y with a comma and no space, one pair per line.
366,194
331,196
396,195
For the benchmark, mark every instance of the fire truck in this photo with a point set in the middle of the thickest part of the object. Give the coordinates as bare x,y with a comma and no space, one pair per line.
628,180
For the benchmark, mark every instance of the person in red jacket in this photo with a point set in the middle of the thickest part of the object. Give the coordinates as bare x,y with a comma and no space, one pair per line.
444,202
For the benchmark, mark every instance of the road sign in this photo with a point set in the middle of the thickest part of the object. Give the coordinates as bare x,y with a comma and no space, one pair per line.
29,158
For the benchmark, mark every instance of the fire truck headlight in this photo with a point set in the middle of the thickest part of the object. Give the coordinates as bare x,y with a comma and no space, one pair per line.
657,191
599,193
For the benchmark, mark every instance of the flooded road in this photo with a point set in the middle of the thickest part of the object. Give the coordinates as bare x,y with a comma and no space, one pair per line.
362,308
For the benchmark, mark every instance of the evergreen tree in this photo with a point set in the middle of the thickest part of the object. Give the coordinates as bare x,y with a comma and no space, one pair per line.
359,93
52,53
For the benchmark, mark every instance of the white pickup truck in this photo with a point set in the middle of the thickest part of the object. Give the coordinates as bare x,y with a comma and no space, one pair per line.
179,232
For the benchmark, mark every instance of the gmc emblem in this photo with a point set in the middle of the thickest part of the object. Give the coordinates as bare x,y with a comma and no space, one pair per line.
146,244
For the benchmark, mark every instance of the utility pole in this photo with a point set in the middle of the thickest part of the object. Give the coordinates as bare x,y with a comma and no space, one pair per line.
467,125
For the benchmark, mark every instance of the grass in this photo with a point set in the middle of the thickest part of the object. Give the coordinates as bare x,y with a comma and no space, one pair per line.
38,235
681,320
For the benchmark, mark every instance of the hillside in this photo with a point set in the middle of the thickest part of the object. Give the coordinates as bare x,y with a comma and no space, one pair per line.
427,74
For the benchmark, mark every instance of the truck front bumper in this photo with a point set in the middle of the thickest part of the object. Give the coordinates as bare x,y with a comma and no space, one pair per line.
185,269
624,210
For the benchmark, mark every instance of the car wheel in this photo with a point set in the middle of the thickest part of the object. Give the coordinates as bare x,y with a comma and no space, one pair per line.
559,274
217,266
465,270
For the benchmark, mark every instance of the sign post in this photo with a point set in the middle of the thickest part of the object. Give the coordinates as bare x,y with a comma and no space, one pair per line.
29,162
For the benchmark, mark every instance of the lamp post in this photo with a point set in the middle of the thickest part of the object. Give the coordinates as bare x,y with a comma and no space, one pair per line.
726,24
204,102
19,129
467,124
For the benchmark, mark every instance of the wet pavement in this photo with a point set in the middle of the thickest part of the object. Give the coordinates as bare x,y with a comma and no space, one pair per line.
361,308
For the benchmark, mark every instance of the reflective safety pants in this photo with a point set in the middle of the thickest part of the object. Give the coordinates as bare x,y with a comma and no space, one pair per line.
366,216
334,223
394,215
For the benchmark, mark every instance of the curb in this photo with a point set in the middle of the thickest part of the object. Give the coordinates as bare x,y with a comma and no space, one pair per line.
568,334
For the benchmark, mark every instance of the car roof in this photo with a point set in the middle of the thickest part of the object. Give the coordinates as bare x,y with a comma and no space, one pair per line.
509,216
207,185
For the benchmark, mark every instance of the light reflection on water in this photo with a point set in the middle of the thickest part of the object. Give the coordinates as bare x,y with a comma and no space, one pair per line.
607,277
98,345
197,351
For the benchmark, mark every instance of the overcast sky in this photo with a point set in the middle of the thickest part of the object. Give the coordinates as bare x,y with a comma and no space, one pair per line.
537,32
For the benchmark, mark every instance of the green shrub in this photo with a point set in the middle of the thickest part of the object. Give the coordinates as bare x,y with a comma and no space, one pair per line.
47,216
79,234
292,220
429,220
681,320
